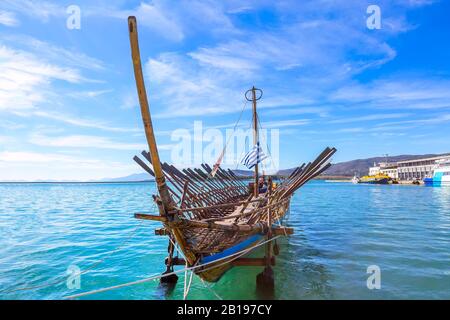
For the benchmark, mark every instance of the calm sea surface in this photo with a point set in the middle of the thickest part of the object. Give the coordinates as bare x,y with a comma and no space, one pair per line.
340,230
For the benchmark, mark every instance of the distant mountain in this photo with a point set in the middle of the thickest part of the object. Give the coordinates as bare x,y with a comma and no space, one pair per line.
361,166
341,169
243,173
146,177
131,177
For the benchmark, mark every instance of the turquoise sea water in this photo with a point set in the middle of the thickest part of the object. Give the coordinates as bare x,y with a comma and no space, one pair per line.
340,230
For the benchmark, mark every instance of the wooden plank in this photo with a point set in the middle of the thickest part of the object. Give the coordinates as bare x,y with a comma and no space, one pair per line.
162,232
240,262
223,205
143,165
146,118
282,231
150,217
247,228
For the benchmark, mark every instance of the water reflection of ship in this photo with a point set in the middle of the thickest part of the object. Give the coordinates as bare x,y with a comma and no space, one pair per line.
312,276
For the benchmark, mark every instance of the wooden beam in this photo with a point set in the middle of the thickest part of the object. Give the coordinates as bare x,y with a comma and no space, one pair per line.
143,165
162,232
240,262
282,231
256,228
176,261
247,228
217,206
150,217
146,118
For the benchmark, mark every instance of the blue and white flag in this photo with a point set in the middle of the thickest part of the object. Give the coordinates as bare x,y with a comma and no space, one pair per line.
254,156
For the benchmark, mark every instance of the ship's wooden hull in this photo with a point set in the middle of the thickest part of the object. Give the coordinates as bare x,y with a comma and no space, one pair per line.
212,271
214,219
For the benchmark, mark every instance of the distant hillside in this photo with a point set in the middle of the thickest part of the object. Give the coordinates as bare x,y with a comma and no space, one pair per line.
147,177
361,166
341,169
243,173
131,177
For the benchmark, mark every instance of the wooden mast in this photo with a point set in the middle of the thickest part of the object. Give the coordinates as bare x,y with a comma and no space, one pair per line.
167,202
255,139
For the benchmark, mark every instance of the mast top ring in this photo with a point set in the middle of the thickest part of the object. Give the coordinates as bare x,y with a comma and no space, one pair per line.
251,98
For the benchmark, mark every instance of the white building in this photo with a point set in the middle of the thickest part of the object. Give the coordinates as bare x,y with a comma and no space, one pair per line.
374,170
418,168
389,169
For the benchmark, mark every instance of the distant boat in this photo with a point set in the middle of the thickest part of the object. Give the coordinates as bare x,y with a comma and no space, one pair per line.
375,179
355,179
441,174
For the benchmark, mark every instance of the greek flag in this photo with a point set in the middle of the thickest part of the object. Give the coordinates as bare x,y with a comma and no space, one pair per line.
253,157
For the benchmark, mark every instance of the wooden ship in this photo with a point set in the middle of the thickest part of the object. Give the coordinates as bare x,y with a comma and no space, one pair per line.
209,212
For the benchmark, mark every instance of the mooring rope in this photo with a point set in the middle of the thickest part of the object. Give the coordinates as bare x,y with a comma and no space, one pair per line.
92,266
186,289
211,289
236,255
175,245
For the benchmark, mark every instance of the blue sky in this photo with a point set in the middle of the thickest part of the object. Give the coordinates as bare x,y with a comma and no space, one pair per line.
68,105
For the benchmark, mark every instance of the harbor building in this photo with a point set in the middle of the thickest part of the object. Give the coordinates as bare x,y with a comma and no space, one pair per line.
418,169
390,169
387,168
374,170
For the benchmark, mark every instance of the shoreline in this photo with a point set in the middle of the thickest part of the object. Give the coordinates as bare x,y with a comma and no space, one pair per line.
335,178
319,178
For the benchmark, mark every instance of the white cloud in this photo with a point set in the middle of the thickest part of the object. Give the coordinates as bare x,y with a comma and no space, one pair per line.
89,94
8,19
129,100
31,166
56,54
320,111
405,93
83,141
42,10
174,21
224,58
87,123
24,78
186,90
316,52
319,43
27,82
371,117
4,139
11,125
284,123
33,157
151,15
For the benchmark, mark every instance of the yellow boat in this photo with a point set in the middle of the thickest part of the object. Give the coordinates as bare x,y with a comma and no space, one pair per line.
379,178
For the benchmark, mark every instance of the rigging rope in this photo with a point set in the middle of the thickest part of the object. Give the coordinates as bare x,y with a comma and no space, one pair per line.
219,160
243,149
267,144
